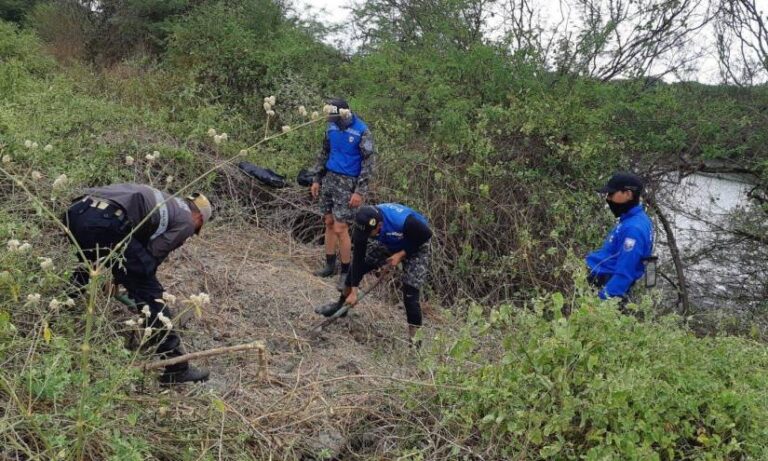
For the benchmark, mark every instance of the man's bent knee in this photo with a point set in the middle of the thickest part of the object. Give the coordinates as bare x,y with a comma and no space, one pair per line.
328,220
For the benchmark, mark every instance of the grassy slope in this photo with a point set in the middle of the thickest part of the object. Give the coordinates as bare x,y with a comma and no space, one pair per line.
60,400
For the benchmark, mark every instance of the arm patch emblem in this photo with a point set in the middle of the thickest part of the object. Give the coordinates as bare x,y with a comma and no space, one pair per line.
629,244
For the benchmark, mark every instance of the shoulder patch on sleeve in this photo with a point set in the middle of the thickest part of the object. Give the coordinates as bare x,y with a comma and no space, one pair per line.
629,244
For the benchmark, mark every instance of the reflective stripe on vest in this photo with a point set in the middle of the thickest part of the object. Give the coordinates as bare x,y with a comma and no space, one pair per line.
163,210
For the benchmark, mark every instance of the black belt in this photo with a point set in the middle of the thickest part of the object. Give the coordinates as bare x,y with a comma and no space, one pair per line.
106,206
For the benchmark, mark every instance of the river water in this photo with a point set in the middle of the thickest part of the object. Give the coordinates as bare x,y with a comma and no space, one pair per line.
701,208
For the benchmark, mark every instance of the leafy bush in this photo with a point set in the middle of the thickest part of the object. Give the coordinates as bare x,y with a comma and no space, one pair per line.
598,385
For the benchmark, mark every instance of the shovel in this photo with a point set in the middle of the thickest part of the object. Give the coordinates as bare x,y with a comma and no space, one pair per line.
340,308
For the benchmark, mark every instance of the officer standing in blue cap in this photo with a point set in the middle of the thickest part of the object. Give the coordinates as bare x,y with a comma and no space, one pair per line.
616,266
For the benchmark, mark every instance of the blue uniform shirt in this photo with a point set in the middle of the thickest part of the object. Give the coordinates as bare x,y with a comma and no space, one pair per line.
394,216
345,157
621,256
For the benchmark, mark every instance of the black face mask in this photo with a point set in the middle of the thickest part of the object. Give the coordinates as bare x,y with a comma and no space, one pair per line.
619,209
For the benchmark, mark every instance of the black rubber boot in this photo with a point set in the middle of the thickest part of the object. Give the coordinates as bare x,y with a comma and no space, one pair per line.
181,372
188,374
340,284
162,342
330,267
327,310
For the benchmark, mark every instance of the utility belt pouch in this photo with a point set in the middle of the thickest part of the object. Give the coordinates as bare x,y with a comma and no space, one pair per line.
650,271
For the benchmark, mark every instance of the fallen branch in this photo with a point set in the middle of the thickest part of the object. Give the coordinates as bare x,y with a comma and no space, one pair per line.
258,345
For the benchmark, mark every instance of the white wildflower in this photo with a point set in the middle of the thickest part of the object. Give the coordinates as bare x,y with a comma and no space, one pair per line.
54,305
169,180
34,298
48,148
169,298
286,128
46,264
28,144
224,136
244,152
315,115
34,145
13,245
150,158
217,139
5,276
130,323
165,321
24,247
272,101
270,113
69,302
302,111
204,298
145,310
129,160
346,114
329,109
199,300
36,175
211,132
7,159
60,182
147,332
267,107
156,154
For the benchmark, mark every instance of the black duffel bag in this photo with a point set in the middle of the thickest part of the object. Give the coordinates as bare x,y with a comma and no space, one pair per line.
263,175
306,177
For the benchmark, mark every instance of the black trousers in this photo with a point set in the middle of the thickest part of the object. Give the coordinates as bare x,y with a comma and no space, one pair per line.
97,232
411,294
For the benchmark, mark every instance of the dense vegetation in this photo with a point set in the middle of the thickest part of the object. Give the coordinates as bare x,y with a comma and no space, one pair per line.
498,149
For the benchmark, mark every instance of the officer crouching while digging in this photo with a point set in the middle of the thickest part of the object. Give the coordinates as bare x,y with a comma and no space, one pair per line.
104,217
390,233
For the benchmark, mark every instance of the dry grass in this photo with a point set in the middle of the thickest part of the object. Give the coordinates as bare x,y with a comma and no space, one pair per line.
318,388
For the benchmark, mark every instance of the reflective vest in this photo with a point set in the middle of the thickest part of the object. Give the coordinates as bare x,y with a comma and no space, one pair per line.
394,216
345,157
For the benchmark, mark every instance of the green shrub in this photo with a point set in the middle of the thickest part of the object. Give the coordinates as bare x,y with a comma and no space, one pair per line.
598,385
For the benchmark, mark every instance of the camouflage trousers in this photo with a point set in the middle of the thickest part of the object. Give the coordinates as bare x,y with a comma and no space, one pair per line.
415,266
335,192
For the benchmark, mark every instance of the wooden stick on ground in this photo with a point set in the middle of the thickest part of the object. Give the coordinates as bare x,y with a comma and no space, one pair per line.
258,345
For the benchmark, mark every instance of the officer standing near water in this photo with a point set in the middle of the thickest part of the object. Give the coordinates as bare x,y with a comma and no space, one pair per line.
618,264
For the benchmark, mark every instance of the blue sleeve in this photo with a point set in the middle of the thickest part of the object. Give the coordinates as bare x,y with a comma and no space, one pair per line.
626,266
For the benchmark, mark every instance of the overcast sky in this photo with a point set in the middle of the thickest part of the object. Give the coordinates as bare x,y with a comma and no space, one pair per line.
337,12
